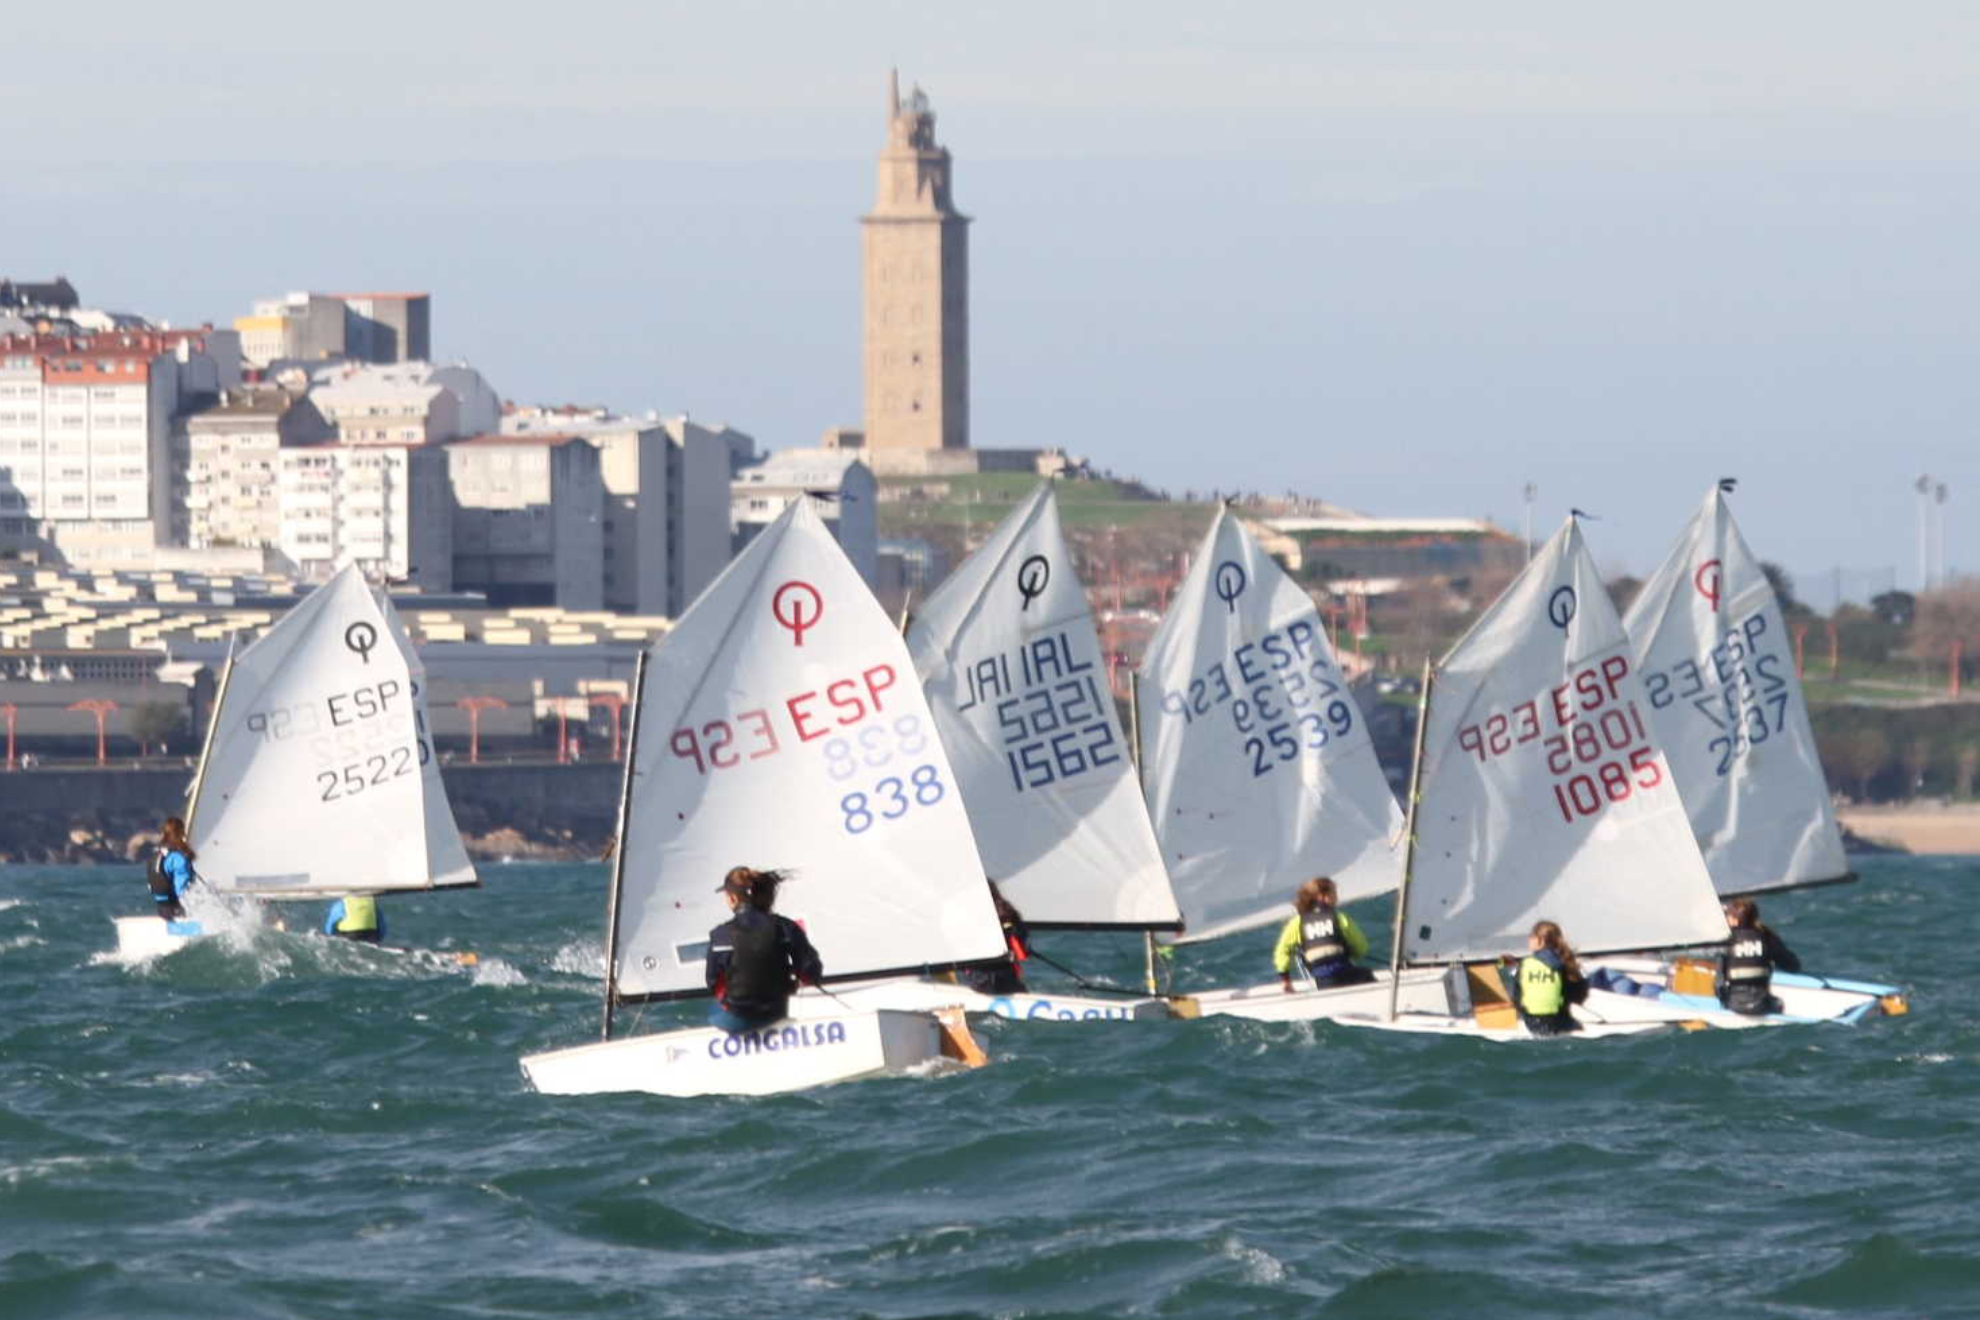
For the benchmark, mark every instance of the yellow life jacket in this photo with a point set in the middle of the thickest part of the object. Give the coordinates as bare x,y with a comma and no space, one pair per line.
1542,989
360,914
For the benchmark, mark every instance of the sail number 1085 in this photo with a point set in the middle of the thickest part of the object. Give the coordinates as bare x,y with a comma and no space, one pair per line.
1602,760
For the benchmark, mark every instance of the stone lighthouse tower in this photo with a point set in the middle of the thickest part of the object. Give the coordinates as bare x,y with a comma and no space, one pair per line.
915,261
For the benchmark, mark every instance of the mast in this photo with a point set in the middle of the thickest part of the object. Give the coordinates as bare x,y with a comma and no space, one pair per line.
1409,838
206,748
1134,751
619,848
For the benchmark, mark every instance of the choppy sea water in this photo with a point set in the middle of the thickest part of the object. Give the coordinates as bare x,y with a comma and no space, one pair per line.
282,1126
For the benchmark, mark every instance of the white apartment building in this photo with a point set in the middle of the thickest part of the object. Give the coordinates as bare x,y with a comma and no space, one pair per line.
385,506
843,485
529,519
399,404
666,517
85,436
233,465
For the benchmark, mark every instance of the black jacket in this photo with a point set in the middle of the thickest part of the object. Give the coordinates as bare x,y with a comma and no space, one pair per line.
755,960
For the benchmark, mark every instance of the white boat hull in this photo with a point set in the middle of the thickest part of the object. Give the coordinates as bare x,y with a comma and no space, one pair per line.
1443,1024
139,938
788,1056
918,994
1423,989
1803,998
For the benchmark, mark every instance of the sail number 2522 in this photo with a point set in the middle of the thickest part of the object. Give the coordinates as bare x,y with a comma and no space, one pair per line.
374,770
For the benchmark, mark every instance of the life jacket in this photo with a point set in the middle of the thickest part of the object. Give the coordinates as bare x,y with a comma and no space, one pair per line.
155,877
1749,971
360,914
1321,947
1014,943
1542,987
758,979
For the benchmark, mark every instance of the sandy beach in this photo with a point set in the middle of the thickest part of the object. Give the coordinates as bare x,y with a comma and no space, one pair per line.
1919,828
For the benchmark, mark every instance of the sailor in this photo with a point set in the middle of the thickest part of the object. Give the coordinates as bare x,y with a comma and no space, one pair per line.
170,871
1546,981
1325,938
355,917
1746,967
1005,976
756,958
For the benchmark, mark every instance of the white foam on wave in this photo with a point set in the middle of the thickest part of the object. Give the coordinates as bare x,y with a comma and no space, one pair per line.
494,971
13,1175
1259,1266
9,904
21,942
580,958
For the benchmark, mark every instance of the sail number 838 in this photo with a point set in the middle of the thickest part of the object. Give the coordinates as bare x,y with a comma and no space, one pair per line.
891,799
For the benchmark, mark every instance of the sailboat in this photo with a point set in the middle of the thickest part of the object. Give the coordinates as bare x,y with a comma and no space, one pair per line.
1724,699
779,726
1007,654
318,777
1258,767
1541,792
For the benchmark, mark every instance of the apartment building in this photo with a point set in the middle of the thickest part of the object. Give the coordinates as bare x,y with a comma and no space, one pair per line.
529,520
843,486
666,513
382,504
232,489
85,436
310,327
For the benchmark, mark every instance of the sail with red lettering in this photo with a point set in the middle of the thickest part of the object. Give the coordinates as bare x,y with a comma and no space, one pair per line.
1258,766
781,728
1006,652
1544,792
1725,700
320,776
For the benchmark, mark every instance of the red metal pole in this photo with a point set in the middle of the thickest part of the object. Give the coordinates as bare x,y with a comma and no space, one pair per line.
1953,687
8,710
1800,632
474,734
563,743
1833,657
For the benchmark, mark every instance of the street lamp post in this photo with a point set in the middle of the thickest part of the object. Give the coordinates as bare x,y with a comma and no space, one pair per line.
474,706
615,703
9,709
99,707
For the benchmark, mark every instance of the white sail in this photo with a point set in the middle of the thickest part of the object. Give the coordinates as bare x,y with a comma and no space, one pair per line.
1545,795
782,728
320,777
446,856
1258,765
1013,672
1718,668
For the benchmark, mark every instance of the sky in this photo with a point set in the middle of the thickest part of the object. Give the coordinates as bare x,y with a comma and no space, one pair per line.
1407,258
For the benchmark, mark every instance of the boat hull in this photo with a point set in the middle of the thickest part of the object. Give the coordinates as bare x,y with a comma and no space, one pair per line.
1444,1024
1803,998
1423,989
918,994
139,938
790,1055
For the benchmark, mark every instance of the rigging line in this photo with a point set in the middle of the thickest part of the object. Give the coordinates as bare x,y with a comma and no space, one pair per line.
1081,981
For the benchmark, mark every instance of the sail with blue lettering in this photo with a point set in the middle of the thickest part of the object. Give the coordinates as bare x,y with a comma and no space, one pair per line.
1012,668
782,728
1724,698
1544,792
1258,766
321,777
